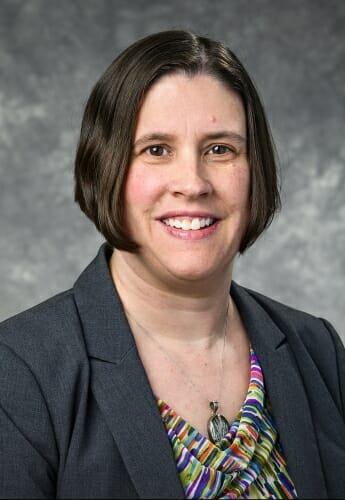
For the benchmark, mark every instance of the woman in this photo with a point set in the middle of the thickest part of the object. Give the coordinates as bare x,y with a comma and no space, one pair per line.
149,379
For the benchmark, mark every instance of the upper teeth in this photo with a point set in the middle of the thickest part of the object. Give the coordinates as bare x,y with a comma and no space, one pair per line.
189,224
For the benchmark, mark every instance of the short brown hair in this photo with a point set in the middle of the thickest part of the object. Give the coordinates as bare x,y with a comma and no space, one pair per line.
109,121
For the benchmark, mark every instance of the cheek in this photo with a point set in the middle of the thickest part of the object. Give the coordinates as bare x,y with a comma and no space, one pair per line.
142,187
238,187
245,196
245,188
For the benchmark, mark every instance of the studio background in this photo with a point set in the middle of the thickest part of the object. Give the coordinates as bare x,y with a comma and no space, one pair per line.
52,53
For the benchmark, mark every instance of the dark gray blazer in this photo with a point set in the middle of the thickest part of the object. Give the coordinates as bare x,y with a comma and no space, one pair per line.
78,418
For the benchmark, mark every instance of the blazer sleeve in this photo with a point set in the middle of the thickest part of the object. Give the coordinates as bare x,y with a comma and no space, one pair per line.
28,452
340,362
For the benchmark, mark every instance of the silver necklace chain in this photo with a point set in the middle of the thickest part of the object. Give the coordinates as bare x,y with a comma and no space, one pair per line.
218,426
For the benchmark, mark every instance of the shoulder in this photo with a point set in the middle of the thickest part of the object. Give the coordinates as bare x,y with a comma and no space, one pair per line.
52,317
46,338
315,346
313,331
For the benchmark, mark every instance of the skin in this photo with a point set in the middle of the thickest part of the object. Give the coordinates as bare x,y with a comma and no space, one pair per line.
186,174
189,161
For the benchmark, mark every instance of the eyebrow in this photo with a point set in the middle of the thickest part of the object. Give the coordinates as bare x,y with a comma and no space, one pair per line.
157,136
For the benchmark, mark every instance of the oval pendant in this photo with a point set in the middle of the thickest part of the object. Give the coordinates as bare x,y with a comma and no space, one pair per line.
217,428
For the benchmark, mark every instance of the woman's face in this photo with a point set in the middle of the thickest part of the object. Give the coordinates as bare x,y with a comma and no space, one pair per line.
187,191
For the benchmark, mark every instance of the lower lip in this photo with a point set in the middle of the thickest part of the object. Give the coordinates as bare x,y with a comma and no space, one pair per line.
197,234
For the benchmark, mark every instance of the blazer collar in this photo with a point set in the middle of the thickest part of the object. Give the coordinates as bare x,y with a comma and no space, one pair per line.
124,395
286,393
105,326
120,385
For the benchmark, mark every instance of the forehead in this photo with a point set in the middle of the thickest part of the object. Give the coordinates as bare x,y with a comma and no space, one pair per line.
177,101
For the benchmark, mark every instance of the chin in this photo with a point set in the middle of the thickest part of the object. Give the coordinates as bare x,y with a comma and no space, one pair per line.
196,272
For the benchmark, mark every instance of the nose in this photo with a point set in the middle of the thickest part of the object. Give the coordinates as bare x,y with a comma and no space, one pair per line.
190,178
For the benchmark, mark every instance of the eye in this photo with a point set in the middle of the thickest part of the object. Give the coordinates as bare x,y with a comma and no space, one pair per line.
220,149
156,150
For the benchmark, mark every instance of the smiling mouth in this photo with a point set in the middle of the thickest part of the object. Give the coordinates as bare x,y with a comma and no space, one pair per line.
191,224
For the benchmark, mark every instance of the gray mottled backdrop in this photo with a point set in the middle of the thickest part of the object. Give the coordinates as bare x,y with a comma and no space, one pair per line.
51,54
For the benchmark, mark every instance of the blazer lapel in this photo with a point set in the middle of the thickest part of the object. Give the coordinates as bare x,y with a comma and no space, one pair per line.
287,396
120,385
121,388
123,394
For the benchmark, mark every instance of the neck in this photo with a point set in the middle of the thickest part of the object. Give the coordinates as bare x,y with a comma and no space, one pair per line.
174,314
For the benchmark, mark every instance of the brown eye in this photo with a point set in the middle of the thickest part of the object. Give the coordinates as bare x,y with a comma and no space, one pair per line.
221,152
219,149
156,150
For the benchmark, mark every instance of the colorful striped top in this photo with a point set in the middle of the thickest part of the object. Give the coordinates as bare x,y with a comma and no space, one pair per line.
247,463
